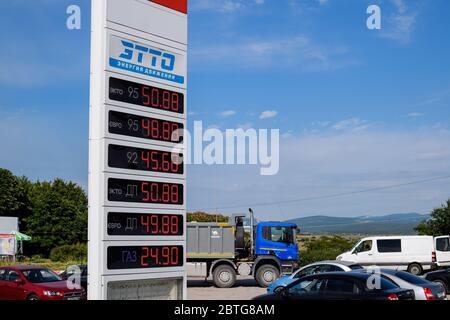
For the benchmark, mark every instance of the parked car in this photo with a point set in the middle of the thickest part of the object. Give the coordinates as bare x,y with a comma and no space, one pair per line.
440,276
313,268
339,286
414,254
35,283
76,274
423,289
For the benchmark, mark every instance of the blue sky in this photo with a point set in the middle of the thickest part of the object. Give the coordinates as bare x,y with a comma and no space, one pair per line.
356,108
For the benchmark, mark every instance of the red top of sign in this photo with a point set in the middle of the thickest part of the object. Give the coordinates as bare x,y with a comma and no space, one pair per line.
179,5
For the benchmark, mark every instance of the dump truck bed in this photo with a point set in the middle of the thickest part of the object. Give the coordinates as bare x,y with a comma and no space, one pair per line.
210,241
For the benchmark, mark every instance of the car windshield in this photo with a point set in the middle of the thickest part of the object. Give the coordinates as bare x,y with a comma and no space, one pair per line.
408,277
40,276
356,267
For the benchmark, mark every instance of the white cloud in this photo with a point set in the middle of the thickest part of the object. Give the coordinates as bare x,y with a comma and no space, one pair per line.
414,114
322,2
245,126
228,113
400,25
354,124
296,51
268,115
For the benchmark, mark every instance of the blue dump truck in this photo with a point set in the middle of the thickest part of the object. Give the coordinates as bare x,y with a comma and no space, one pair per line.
268,251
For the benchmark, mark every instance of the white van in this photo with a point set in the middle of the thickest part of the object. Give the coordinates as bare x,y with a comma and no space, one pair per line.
412,253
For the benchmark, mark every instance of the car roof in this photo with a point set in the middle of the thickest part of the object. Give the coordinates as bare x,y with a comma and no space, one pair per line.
352,274
344,263
21,268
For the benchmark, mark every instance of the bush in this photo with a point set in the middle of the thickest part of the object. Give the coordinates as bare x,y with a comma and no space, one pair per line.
76,252
325,248
206,217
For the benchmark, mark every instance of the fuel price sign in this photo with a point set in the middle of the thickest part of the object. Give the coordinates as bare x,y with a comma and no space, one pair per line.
137,176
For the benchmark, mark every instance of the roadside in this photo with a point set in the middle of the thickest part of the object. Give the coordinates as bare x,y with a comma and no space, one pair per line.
245,289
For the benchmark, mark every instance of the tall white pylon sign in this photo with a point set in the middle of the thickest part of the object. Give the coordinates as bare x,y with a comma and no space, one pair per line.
137,182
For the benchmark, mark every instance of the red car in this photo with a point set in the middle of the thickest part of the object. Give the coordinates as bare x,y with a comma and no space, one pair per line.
35,283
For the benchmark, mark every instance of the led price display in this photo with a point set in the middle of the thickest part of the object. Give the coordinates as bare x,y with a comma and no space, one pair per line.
145,96
144,257
147,128
145,159
120,190
137,224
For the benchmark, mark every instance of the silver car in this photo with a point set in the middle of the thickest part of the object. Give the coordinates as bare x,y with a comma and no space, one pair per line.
423,289
313,268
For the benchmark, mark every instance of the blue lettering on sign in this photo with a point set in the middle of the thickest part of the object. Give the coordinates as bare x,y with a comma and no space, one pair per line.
133,58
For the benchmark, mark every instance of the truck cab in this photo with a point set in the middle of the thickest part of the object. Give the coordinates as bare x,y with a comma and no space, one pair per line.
277,239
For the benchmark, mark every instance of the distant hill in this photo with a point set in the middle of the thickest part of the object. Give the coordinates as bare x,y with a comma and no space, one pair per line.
392,224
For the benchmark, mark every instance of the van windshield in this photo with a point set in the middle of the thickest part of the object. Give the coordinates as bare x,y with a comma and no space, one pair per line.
364,246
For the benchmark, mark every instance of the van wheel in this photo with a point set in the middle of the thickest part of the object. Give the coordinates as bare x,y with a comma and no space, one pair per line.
415,269
266,275
224,276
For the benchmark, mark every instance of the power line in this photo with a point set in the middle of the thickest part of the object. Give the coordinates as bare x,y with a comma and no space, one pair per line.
329,196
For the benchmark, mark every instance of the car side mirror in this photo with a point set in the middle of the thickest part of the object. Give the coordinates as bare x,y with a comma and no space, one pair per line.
19,281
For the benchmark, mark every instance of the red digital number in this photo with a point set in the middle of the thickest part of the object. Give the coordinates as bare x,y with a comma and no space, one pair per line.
144,257
151,192
175,254
165,253
166,100
145,223
165,225
146,96
175,134
175,102
160,256
174,164
174,225
160,224
154,221
154,254
155,98
165,162
145,192
166,193
174,194
154,192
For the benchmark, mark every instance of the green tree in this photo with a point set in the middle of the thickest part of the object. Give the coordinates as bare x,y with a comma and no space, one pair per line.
439,222
324,248
206,217
59,216
13,197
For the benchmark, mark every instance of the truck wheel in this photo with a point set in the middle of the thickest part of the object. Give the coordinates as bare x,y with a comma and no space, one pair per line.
266,275
415,269
224,276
